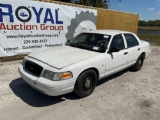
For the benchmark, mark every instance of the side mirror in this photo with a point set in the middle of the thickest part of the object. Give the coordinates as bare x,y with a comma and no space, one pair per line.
114,49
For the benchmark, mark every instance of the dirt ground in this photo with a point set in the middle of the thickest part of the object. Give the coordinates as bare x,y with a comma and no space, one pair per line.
123,96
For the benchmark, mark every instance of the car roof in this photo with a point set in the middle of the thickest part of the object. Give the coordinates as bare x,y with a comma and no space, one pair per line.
107,32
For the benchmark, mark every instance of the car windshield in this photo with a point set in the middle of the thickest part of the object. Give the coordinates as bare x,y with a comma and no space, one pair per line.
90,41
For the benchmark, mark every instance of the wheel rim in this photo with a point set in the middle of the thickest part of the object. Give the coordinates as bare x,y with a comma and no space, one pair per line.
87,84
140,62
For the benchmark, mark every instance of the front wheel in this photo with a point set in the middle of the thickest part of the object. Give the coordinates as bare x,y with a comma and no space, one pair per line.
86,83
139,63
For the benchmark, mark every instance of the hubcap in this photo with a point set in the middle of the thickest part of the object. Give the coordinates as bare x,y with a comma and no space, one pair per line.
88,83
140,62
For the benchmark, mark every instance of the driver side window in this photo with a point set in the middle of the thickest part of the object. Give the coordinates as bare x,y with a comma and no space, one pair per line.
117,42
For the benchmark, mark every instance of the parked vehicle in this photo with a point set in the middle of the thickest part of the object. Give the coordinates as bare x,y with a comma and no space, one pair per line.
83,61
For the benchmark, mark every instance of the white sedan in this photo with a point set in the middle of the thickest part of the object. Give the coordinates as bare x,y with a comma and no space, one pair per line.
83,61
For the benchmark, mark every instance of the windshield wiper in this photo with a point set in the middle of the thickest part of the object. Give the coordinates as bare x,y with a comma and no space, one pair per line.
72,45
81,46
78,46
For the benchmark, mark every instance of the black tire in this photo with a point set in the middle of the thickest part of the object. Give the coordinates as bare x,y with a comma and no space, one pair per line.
86,83
139,63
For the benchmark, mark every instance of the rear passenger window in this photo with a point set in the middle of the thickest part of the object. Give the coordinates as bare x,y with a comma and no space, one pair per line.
117,42
131,40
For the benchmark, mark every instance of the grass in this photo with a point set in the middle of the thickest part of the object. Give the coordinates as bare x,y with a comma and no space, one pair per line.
153,39
149,28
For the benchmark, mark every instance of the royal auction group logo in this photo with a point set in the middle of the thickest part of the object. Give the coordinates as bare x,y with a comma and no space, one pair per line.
24,14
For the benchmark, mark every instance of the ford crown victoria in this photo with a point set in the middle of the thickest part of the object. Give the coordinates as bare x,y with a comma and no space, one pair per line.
85,59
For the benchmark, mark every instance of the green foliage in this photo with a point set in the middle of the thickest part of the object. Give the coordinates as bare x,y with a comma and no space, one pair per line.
93,3
154,39
149,23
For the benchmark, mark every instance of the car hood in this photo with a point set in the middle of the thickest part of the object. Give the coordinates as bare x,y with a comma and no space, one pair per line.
60,57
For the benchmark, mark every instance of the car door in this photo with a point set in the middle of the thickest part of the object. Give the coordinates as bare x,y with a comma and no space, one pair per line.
116,61
133,48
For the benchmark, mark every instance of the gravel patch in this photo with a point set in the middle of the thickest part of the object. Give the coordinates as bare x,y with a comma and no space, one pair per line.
126,95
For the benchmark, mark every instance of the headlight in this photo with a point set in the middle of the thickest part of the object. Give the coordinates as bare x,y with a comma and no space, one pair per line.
56,76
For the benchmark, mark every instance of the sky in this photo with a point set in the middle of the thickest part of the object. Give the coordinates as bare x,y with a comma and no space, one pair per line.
147,9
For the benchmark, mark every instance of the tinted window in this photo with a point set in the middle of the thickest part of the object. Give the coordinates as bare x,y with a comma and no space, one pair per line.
117,42
131,40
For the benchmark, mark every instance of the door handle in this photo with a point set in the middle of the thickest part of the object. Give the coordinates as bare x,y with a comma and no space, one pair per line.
125,53
138,49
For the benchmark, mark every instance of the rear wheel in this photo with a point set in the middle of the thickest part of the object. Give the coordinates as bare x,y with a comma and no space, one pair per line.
86,83
139,63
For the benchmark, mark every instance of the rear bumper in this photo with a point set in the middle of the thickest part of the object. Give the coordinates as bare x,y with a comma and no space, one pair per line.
48,87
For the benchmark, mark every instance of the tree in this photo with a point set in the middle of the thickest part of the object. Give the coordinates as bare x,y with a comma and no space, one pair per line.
93,3
149,23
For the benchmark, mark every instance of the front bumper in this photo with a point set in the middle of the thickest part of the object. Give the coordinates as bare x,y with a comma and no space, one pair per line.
48,87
